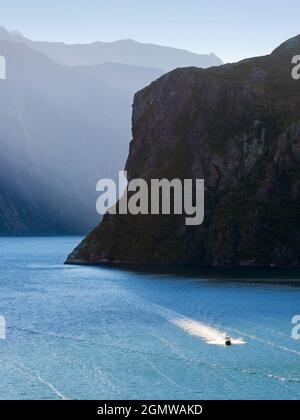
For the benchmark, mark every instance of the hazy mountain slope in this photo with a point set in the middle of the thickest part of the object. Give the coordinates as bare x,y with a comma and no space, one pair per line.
124,51
61,130
238,127
29,205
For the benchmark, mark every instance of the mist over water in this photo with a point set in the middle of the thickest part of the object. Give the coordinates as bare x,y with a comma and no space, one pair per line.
109,333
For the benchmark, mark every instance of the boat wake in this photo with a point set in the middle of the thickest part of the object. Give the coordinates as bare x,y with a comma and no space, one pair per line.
209,334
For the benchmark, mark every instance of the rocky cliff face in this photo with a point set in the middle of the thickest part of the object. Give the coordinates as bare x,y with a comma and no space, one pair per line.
236,126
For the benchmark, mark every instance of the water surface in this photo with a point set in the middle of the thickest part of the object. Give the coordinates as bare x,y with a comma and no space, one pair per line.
148,333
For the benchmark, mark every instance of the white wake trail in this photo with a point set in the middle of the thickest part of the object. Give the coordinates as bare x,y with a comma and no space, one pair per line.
52,387
193,327
209,334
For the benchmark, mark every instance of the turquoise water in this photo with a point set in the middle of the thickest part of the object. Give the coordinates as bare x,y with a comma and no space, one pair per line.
109,333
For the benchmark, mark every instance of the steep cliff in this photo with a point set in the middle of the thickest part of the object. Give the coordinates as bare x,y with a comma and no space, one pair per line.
238,127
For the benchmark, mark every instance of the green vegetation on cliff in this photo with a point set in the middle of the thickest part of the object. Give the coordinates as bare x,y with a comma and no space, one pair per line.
238,127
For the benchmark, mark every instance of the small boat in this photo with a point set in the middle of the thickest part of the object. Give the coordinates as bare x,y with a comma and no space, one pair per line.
227,340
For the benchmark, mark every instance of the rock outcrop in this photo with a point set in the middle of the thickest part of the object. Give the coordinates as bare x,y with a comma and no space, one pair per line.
238,127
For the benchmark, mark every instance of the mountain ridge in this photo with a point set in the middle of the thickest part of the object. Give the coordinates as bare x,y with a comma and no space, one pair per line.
124,51
58,138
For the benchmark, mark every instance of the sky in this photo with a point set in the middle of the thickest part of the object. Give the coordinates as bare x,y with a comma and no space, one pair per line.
232,29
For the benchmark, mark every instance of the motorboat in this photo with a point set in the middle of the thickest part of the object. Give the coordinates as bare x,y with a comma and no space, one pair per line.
227,340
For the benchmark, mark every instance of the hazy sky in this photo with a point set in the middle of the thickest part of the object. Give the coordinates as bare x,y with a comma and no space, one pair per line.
233,29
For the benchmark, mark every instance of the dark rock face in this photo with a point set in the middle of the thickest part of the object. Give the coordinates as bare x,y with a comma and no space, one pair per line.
236,126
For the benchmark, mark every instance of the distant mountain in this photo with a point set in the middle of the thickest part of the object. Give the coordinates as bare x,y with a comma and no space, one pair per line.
124,51
238,128
61,130
65,123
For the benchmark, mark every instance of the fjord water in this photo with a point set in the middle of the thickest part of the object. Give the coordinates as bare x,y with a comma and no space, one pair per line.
126,333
